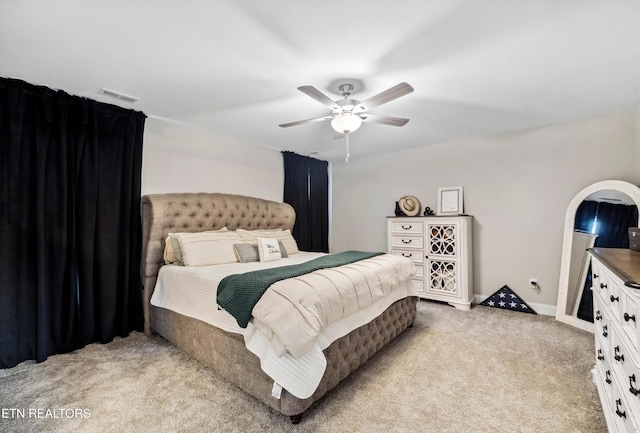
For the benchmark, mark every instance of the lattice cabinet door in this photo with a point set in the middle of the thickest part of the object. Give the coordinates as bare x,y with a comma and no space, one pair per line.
448,260
442,258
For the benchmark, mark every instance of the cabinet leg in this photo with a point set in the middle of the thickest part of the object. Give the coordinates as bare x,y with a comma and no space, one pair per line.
464,306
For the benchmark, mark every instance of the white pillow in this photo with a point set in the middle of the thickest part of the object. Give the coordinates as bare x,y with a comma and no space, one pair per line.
172,253
268,249
208,248
251,237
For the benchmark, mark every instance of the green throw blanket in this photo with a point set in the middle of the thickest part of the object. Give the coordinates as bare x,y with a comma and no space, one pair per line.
239,293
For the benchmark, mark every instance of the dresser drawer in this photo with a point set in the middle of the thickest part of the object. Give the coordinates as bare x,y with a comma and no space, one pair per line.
415,256
599,280
407,227
407,242
621,413
602,326
625,365
419,271
629,317
603,377
614,299
418,285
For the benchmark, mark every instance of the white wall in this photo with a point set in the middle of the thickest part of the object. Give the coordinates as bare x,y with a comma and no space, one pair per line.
517,186
182,159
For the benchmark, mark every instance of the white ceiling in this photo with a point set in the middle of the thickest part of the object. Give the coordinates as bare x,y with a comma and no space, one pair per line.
232,66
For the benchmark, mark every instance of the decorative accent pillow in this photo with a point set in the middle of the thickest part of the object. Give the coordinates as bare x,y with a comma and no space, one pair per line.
247,253
208,248
268,249
169,254
251,237
172,253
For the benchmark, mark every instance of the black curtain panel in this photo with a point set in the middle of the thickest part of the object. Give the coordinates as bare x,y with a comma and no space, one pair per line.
69,221
108,226
612,227
613,222
306,188
584,215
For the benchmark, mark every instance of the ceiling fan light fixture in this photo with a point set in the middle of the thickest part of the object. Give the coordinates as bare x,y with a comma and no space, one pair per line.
346,122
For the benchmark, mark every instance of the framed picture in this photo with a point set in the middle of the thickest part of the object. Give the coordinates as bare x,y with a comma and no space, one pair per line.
449,201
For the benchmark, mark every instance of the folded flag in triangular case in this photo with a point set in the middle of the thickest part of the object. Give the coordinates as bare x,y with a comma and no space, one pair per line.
506,299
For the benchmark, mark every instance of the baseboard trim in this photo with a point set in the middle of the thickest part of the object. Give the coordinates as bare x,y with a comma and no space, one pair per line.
542,309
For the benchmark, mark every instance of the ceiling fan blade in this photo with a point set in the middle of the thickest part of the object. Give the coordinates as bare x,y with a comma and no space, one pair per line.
302,122
320,97
384,120
382,98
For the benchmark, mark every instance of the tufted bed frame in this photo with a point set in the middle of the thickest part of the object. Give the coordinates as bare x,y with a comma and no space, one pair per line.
223,352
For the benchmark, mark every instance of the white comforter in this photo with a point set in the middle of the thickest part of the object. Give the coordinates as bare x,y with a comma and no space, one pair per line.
272,335
293,313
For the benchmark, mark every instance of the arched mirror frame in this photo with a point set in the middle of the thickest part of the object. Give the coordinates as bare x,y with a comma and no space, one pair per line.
569,220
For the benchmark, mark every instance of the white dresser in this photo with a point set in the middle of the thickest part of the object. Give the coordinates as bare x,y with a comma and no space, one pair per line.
616,307
441,248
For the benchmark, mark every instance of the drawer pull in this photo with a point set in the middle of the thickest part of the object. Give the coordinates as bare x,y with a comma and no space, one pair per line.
406,242
600,355
598,315
406,228
595,276
617,357
614,298
603,286
633,390
620,414
627,317
608,379
407,255
605,332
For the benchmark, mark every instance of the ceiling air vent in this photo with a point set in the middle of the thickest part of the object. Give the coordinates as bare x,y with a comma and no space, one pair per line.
118,95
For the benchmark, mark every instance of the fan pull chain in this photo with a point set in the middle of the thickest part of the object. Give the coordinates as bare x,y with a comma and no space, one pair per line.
347,138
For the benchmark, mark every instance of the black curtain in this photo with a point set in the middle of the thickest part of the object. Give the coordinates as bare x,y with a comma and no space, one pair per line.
69,221
612,227
306,188
585,215
613,222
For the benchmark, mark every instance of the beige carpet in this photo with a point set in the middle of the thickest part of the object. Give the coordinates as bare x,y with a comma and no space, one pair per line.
484,370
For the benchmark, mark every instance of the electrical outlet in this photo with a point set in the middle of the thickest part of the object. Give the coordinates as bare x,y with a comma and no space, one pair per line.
533,284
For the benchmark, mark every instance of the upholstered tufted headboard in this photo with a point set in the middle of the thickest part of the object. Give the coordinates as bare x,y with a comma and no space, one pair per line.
194,212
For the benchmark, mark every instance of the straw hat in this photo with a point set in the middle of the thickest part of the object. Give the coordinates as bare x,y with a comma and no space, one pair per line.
410,205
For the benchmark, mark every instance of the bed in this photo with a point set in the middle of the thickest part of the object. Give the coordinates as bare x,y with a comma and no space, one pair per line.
227,352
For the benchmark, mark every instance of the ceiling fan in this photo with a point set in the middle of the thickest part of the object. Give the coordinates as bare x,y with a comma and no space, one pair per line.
348,114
